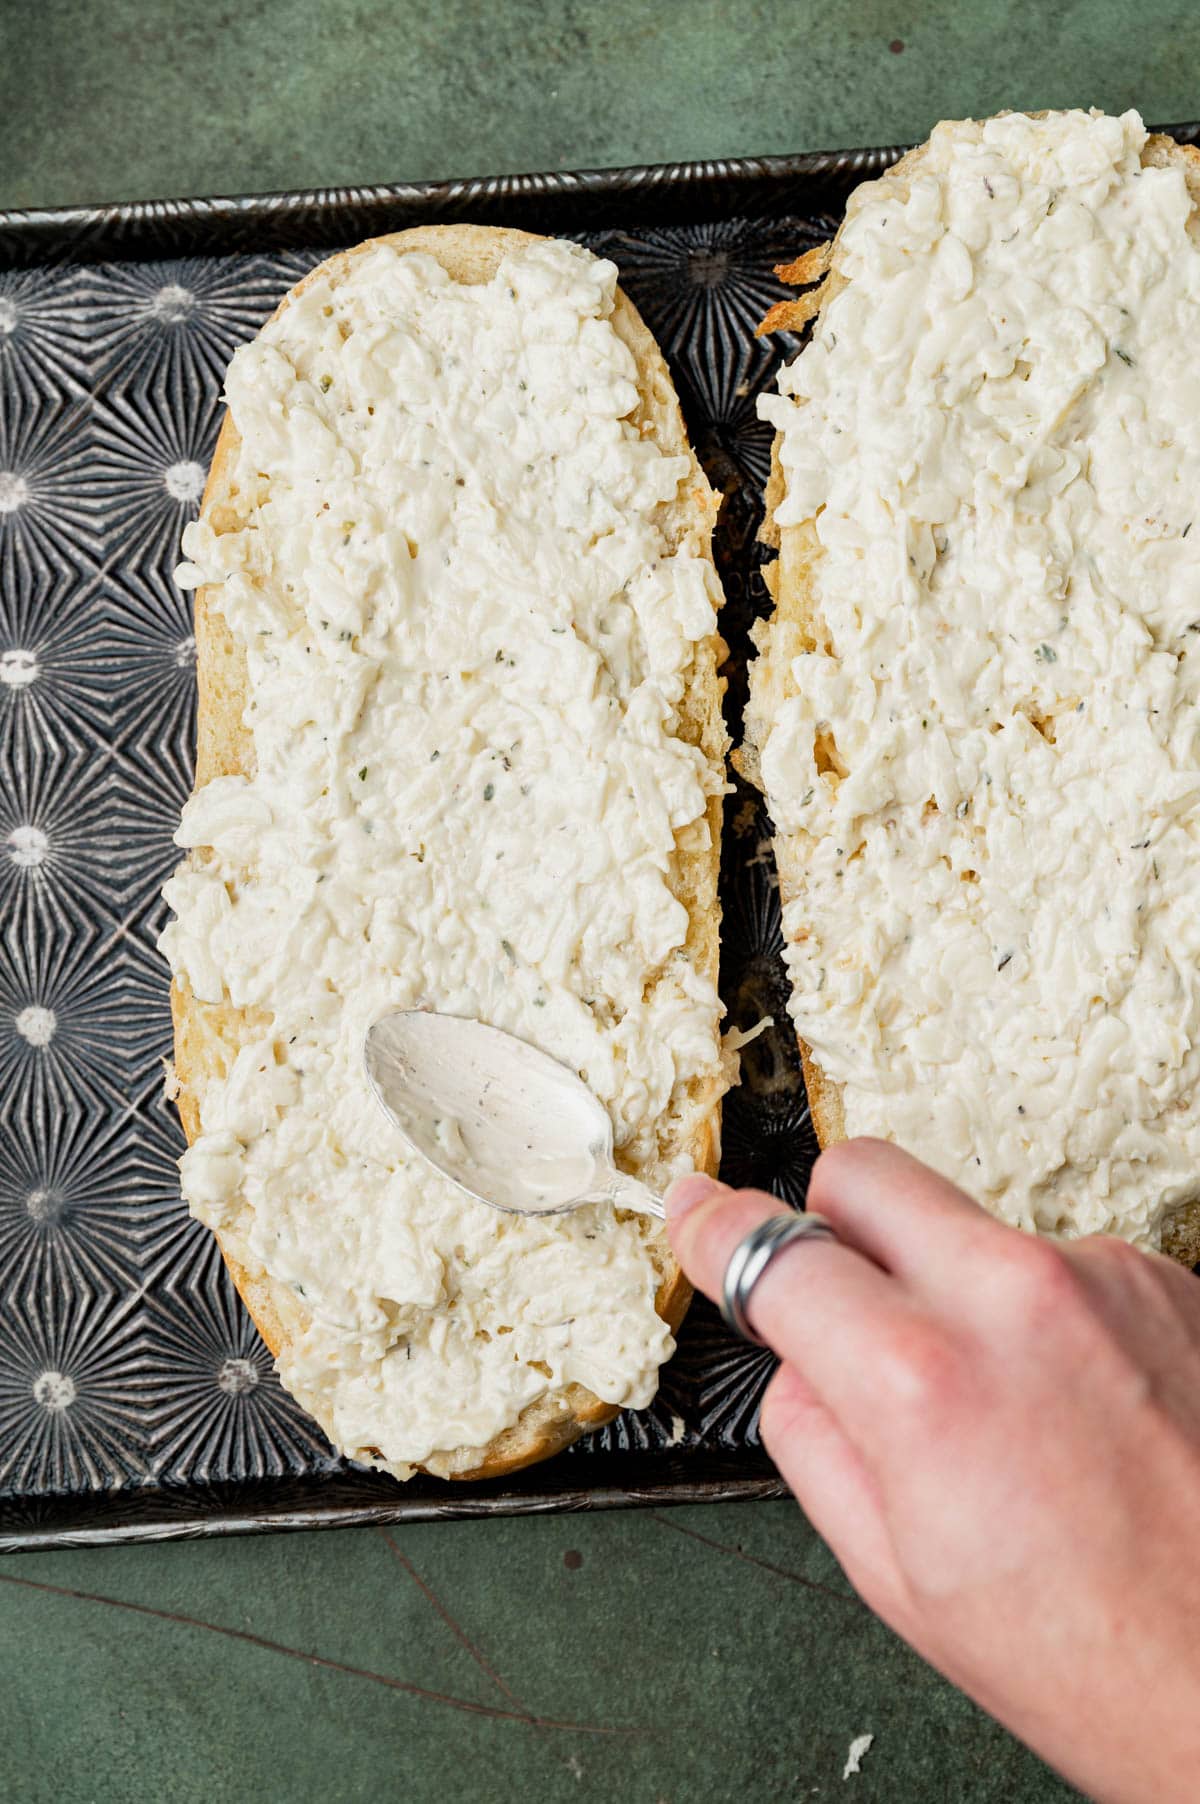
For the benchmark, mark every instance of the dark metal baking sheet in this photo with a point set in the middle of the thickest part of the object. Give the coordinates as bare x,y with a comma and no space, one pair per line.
136,1399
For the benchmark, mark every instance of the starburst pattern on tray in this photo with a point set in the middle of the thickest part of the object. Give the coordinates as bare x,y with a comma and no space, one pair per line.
217,1406
57,841
54,679
82,1206
153,442
703,289
71,1389
768,1144
65,1021
154,663
725,1378
672,1420
45,338
126,1358
49,514
187,316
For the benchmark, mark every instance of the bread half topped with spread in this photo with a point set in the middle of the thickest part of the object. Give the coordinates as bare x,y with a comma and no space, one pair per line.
976,712
460,746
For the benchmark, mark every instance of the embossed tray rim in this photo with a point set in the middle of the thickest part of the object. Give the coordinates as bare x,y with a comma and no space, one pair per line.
591,200
284,219
638,192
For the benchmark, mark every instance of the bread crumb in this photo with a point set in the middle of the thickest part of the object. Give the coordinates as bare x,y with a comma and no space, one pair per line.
859,1748
678,1430
171,1084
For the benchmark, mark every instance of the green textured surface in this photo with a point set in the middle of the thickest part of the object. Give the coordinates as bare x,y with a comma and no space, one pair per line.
711,1654
137,98
682,1658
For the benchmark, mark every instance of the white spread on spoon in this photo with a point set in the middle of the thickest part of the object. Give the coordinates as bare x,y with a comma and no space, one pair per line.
468,630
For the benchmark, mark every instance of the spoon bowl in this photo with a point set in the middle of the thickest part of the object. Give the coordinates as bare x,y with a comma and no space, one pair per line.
497,1116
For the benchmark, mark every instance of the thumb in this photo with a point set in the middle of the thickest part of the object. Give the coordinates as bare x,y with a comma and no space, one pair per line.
705,1222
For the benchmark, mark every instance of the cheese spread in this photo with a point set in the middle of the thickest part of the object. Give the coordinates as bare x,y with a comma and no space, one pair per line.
470,602
990,761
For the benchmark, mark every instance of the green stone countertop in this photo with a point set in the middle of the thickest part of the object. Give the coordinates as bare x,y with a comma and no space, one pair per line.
142,98
689,1655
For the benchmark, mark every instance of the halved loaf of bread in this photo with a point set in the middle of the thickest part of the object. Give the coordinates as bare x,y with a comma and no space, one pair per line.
208,1035
797,626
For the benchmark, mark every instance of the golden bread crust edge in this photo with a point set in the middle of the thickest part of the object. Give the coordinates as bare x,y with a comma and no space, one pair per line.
207,1035
795,620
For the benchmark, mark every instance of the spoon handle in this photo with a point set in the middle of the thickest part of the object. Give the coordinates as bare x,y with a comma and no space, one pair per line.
628,1193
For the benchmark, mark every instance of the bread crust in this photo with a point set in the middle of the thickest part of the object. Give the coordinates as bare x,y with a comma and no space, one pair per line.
795,621
207,1036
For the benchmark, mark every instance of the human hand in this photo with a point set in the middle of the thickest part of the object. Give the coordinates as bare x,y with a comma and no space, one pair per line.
999,1437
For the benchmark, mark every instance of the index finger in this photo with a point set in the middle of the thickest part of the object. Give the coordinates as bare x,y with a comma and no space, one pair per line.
821,1305
906,1217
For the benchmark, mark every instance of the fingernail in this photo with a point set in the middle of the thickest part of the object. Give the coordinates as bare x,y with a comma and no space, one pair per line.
687,1192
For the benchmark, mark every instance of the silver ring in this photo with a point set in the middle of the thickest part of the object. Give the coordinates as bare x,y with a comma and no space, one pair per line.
751,1257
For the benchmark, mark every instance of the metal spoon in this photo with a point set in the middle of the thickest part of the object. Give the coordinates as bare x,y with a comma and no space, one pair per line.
498,1117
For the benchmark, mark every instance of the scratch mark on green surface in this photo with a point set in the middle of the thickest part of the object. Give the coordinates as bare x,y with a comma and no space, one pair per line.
452,1623
317,1660
751,1559
477,1654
